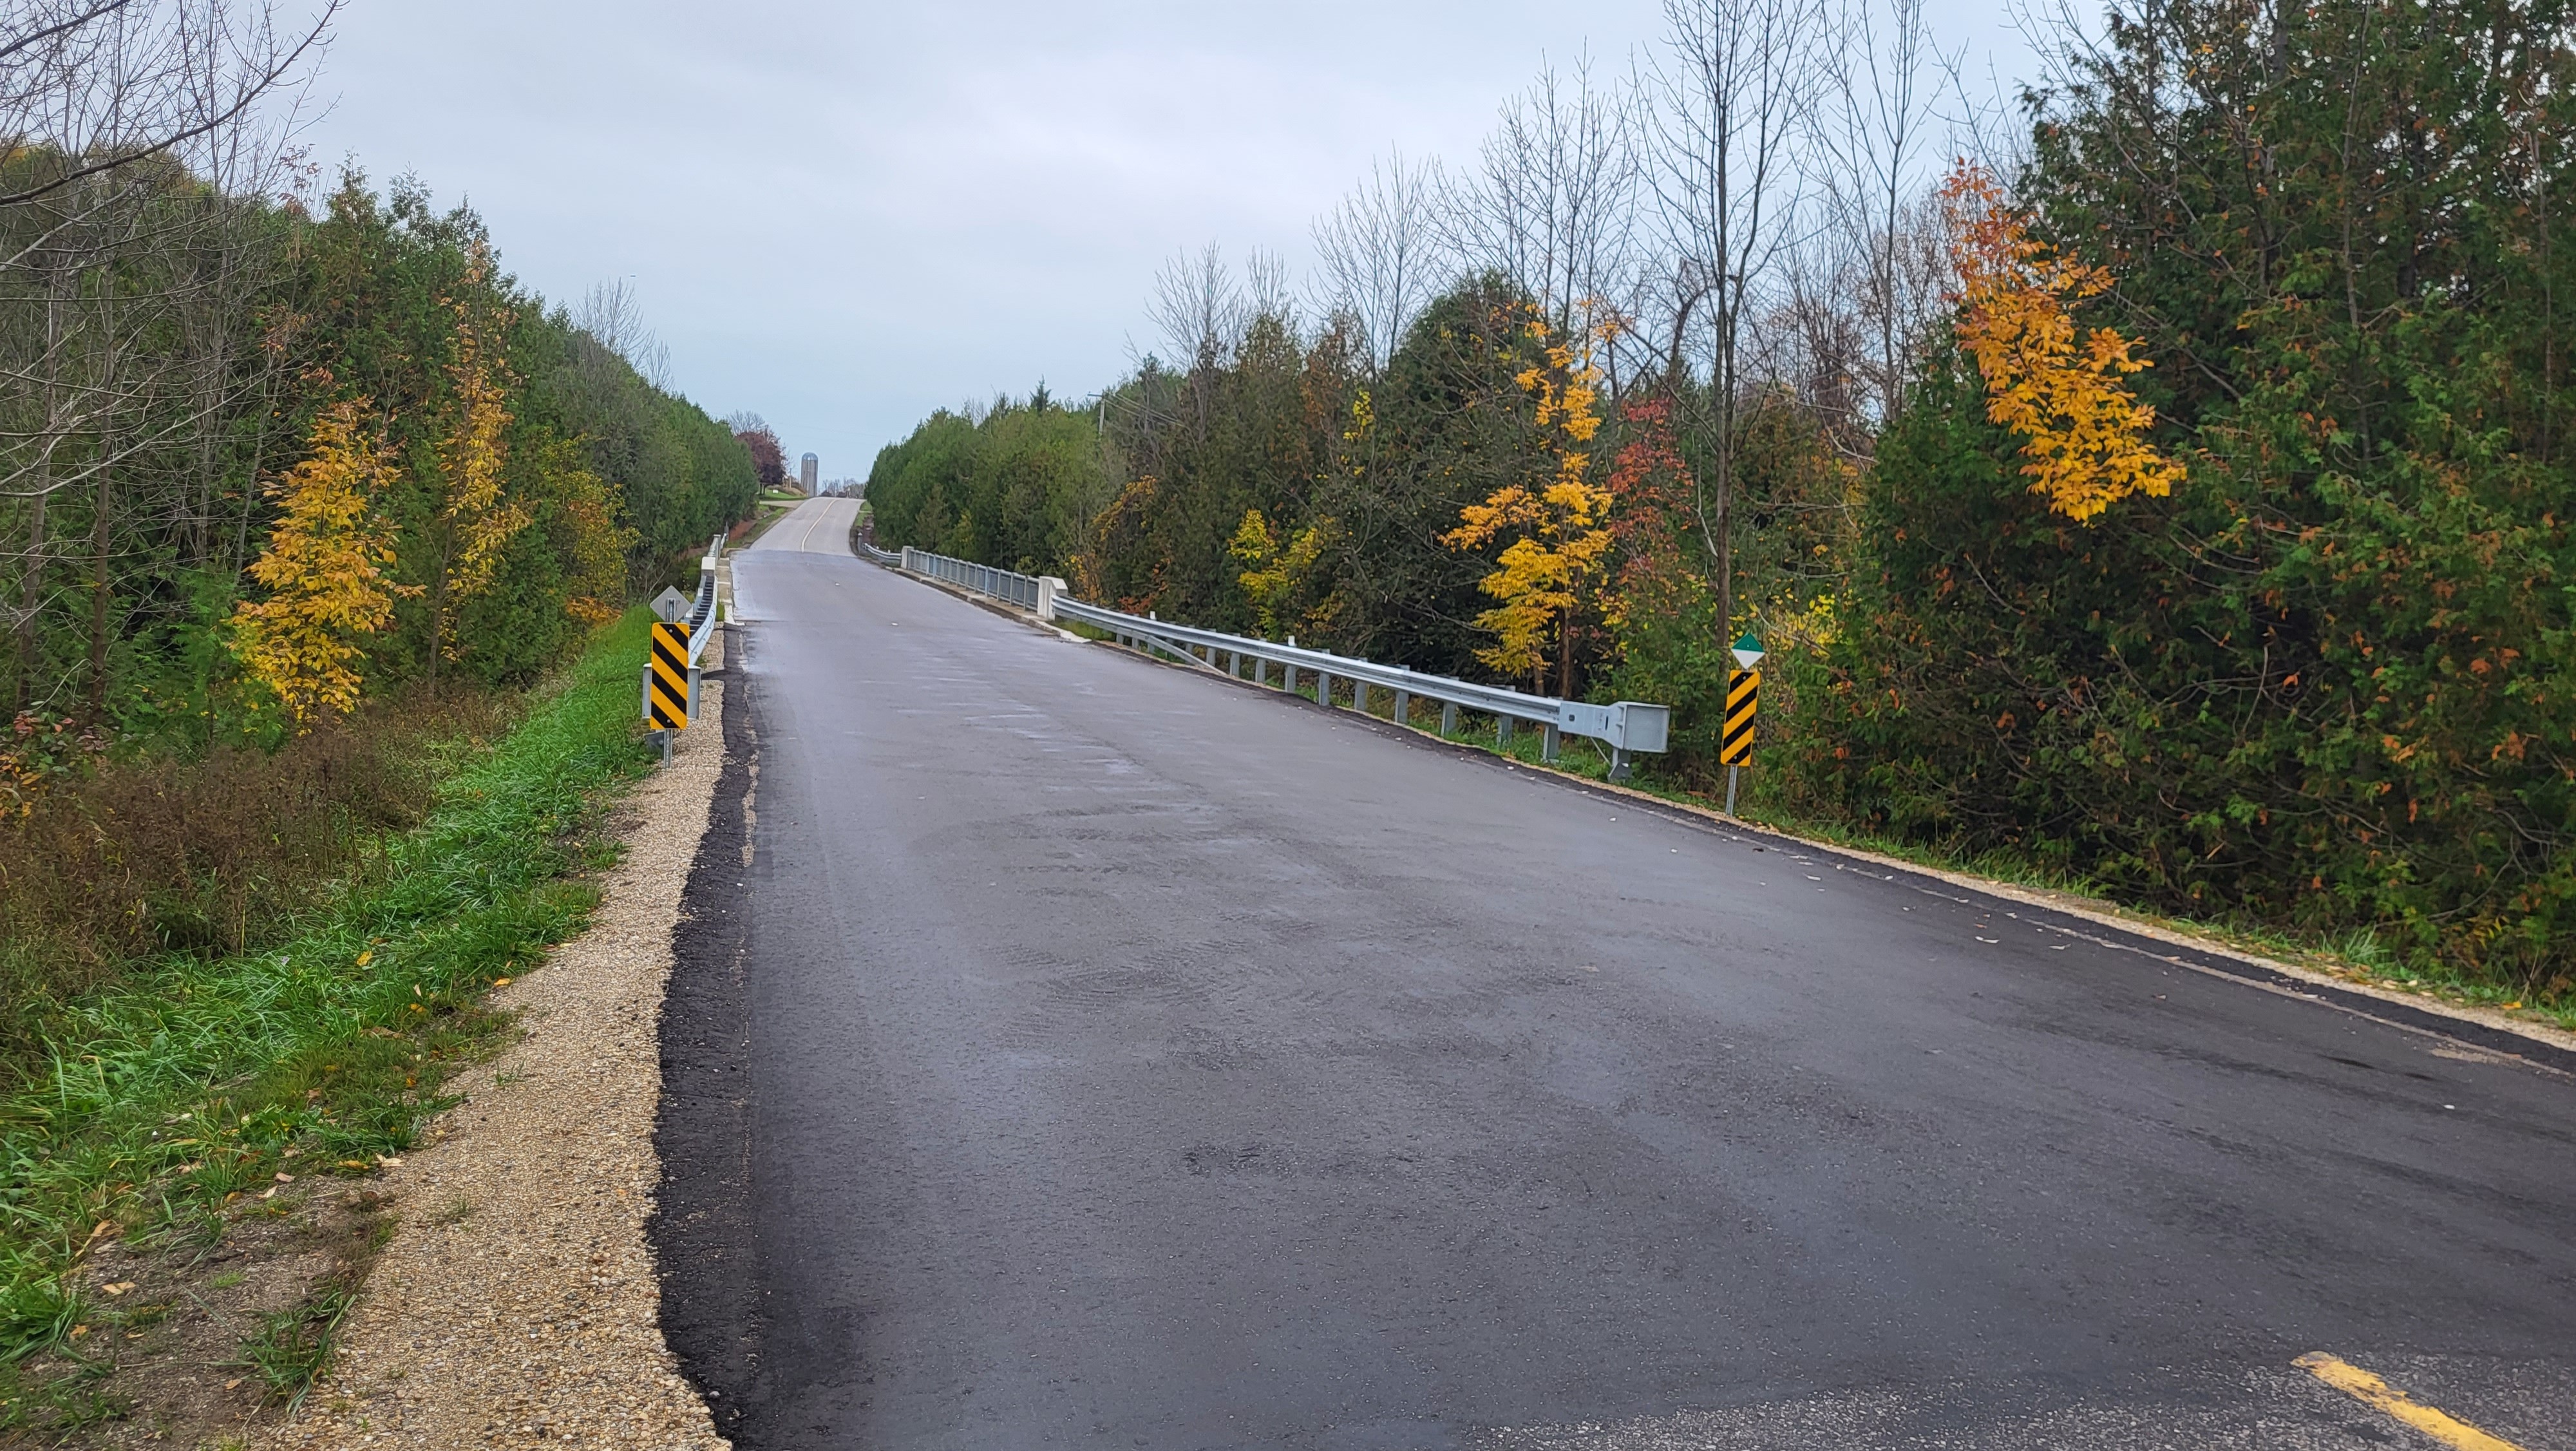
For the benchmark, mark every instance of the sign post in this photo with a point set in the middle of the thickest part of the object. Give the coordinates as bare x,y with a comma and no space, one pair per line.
1743,701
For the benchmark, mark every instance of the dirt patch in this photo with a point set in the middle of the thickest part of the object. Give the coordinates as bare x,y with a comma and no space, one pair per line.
515,1303
189,1342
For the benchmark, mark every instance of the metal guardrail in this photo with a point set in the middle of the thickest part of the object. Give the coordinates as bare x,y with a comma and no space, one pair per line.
983,579
702,611
1627,727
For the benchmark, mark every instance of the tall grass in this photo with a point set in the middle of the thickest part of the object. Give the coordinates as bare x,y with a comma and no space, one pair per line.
166,1095
139,859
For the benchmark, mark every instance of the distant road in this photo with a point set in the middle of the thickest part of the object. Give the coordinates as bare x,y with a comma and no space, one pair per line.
1097,1053
816,526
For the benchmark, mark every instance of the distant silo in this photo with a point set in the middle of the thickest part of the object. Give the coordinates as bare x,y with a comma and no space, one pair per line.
812,468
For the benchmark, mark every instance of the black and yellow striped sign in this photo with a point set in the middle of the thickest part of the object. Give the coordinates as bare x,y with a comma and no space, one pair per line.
670,695
1743,698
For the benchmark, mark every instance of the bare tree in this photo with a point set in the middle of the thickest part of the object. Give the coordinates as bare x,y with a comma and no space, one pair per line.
1266,292
102,84
1727,112
1381,252
612,314
1200,309
138,162
1880,139
1553,201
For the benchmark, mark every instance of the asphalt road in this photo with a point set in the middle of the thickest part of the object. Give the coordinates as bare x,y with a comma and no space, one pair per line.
1094,1053
817,526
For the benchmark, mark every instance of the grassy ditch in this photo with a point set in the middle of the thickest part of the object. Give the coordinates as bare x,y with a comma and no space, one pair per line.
199,1092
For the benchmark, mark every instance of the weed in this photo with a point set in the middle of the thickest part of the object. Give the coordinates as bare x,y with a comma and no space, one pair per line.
455,1211
56,1405
292,1347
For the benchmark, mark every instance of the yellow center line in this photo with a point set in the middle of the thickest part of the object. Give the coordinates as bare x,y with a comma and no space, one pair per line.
2380,1396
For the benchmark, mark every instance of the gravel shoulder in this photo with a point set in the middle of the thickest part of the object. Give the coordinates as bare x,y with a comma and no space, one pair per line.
516,1303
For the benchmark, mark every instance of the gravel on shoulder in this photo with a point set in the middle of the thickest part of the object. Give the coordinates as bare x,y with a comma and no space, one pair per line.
516,1304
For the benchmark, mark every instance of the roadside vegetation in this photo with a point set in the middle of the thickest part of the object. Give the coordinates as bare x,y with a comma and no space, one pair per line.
201,1092
2172,505
298,491
319,541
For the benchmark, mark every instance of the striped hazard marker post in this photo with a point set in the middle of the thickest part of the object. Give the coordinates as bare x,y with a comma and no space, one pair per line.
1743,702
670,685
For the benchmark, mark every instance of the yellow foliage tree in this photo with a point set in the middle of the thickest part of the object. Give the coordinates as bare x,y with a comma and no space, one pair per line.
2084,433
1273,572
474,524
595,554
325,569
1558,526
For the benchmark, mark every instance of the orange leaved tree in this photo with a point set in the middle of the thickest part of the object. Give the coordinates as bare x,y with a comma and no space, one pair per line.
1558,525
325,569
2084,433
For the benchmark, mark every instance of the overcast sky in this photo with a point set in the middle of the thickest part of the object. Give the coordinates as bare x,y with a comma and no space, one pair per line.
842,216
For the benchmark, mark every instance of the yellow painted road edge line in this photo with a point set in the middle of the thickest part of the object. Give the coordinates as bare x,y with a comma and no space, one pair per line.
2380,1396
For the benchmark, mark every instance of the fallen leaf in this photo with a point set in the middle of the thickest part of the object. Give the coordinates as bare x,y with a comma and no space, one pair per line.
79,1330
353,1163
285,1178
268,1193
365,957
119,1288
500,982
387,1161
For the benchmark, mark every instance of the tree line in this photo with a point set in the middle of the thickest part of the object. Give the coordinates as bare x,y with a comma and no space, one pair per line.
2163,480
267,446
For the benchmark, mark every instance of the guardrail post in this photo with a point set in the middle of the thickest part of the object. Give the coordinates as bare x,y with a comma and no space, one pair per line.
1502,730
1323,690
1360,696
1288,682
1547,744
1448,717
1048,588
1403,708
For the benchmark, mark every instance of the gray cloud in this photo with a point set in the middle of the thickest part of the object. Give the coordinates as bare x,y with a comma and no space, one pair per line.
844,216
